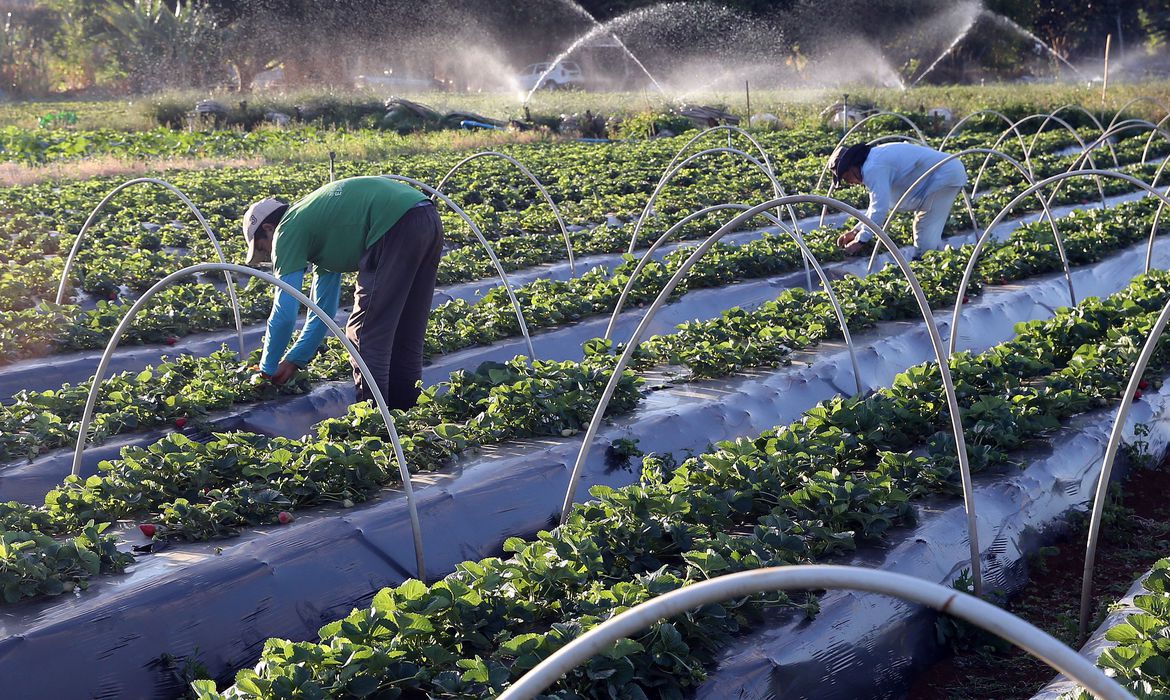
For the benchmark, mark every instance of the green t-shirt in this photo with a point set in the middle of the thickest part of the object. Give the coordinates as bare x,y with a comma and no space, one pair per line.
334,225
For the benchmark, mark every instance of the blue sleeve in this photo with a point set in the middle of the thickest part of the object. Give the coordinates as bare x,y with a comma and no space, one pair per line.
281,322
327,295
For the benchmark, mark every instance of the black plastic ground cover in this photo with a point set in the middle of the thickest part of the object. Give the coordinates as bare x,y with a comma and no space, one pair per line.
50,372
216,602
864,645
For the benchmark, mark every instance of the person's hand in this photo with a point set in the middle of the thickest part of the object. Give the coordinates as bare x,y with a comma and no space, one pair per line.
284,372
850,241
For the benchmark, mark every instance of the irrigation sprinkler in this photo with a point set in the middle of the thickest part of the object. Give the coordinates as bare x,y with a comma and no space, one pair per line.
532,178
201,268
1003,117
1141,98
1111,448
1068,127
970,608
1082,110
923,307
796,237
1043,203
486,246
985,236
231,287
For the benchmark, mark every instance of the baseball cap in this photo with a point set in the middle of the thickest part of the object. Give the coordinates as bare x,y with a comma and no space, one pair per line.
257,214
846,157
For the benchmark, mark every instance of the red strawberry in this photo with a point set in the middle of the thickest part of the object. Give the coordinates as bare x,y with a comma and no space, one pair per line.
1143,385
1137,394
148,529
284,517
966,299
171,340
112,296
181,422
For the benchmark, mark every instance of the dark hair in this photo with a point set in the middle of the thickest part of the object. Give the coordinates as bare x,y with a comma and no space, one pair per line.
273,218
849,158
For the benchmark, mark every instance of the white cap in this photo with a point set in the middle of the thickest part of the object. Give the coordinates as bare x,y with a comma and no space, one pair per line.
256,214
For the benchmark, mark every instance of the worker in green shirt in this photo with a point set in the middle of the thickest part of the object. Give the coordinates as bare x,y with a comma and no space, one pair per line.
391,236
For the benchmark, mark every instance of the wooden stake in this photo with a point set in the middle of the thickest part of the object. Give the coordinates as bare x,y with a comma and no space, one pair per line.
1105,81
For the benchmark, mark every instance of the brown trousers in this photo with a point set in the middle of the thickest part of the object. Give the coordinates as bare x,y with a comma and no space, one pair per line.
392,302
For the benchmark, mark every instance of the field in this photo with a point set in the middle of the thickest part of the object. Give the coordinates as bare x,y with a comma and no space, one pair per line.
223,537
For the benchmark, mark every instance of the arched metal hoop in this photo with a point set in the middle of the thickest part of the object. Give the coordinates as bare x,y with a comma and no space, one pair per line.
1027,155
1111,448
670,174
796,237
1002,117
231,287
923,307
1072,295
731,131
140,303
810,577
986,235
486,246
1150,138
539,186
1141,98
1127,125
1082,110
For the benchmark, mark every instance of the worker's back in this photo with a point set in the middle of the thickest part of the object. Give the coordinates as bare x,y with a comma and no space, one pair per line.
901,164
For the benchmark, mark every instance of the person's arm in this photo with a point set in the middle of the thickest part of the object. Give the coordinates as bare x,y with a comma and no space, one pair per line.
327,295
281,322
877,181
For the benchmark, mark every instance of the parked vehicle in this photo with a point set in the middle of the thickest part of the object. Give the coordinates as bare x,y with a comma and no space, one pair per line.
548,76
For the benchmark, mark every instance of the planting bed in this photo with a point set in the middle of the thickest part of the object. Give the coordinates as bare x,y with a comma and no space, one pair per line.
269,513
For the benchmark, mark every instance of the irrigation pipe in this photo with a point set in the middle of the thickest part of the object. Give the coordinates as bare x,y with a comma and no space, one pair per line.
633,621
539,186
170,279
231,287
923,307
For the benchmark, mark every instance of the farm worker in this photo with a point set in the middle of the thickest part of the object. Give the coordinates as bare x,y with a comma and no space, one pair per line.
888,171
391,236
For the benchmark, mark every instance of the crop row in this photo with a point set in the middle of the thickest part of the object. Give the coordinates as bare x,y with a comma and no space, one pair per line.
187,388
1140,659
190,308
843,475
494,404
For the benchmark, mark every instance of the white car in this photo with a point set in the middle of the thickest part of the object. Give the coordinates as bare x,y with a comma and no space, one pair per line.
564,74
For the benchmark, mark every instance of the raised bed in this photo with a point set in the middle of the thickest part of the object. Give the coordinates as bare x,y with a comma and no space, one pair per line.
189,601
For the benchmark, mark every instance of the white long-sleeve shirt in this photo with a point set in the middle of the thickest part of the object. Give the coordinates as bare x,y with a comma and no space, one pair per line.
892,168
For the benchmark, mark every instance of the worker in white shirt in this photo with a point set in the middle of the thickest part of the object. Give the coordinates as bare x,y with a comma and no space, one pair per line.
888,171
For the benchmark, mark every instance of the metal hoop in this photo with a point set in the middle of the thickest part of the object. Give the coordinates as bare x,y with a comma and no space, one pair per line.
1141,98
231,287
810,577
539,186
1097,122
923,307
138,305
1067,127
855,127
807,253
1011,127
1127,125
486,246
672,172
731,129
1150,138
1043,203
955,317
1115,436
